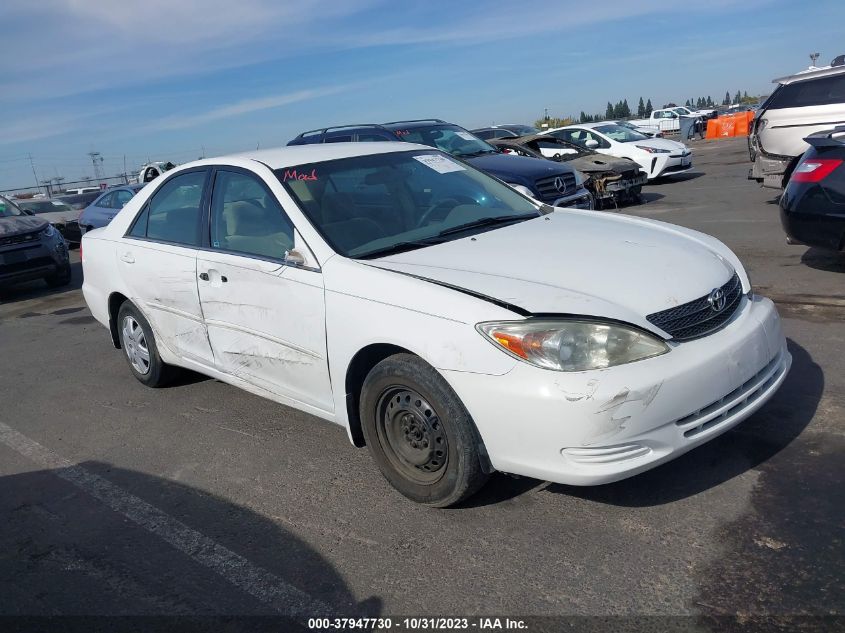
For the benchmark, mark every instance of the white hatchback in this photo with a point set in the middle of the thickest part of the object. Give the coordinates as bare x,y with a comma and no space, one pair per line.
656,156
448,322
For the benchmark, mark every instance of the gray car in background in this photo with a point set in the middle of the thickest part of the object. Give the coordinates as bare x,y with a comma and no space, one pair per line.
101,210
58,213
30,248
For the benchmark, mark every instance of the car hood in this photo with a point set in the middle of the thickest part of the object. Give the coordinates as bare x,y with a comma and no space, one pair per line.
574,262
59,216
598,163
20,224
659,143
504,166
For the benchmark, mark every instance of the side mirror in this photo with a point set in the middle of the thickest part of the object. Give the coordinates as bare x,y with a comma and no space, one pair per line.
294,258
591,143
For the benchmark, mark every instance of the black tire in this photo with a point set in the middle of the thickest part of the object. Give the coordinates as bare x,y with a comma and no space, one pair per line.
419,433
135,345
60,278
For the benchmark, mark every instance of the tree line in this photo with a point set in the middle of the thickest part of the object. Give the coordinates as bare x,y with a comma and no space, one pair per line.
621,109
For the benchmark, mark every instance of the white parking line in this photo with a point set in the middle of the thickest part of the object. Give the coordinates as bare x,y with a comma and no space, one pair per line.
254,580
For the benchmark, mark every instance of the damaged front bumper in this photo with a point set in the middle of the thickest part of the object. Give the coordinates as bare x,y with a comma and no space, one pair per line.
608,187
600,426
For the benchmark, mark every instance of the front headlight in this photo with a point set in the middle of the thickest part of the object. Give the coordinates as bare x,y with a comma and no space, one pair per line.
48,231
653,150
565,345
525,191
579,178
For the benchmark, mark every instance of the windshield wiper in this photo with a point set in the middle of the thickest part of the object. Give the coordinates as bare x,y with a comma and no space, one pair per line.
400,247
478,153
499,219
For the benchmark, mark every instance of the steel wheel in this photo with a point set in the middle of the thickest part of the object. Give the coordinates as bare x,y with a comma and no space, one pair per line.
412,435
135,344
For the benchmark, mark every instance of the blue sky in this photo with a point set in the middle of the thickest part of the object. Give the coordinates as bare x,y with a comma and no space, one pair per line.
165,79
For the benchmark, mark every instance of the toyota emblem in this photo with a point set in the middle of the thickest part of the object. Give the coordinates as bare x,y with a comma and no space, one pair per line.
717,300
560,185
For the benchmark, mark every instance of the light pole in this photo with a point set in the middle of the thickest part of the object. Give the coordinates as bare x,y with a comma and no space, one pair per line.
813,58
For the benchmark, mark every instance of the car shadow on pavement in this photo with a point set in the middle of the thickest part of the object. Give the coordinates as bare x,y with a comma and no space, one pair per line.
37,288
647,197
830,261
96,540
669,180
754,441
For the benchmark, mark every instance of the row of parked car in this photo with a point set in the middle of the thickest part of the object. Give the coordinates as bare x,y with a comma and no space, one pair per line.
597,164
36,233
586,166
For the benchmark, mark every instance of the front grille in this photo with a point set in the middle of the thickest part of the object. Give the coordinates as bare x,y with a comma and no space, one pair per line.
698,318
672,168
549,190
28,264
22,238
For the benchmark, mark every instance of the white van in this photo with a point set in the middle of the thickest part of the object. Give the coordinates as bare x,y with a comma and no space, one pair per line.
803,103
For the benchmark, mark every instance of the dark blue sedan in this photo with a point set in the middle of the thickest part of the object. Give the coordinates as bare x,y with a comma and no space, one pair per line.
101,211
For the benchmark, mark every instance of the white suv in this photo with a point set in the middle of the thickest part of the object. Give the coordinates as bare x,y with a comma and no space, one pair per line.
803,103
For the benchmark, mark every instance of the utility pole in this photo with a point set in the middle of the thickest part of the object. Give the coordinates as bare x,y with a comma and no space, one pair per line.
125,176
32,164
97,160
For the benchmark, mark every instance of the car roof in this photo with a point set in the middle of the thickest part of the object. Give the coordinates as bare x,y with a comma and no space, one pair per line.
288,156
810,73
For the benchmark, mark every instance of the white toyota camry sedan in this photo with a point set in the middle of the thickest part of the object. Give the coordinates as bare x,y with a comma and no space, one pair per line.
452,325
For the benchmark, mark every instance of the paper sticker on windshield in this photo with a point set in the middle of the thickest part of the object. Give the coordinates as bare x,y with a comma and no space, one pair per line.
466,136
440,164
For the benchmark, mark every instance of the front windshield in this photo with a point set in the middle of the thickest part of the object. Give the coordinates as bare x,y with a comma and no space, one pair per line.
620,134
448,138
8,209
44,206
683,111
372,206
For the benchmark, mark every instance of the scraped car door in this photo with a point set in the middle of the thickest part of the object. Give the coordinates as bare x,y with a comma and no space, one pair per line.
265,317
157,260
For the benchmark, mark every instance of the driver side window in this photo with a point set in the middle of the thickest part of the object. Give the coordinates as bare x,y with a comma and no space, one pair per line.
246,218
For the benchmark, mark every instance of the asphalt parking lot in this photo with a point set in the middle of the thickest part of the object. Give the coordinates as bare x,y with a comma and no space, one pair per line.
201,499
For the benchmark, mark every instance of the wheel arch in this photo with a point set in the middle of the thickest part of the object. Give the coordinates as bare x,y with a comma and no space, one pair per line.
361,364
116,299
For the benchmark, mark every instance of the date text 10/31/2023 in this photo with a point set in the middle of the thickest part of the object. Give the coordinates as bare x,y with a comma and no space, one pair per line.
418,623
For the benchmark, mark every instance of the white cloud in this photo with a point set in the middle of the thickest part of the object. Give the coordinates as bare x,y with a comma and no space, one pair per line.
242,107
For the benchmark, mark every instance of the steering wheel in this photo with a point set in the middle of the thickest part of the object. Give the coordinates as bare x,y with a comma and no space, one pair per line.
443,207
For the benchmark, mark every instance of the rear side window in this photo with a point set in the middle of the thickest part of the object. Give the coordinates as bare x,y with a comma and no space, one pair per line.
173,213
106,201
121,198
814,92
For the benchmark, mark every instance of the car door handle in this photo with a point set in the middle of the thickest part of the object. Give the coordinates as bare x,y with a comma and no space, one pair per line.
129,258
207,276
